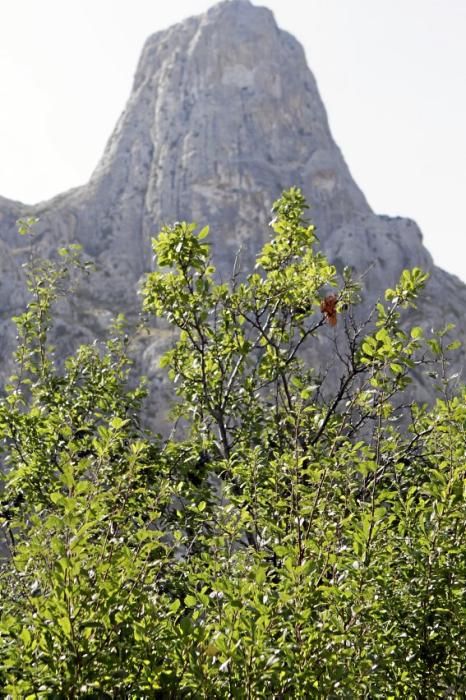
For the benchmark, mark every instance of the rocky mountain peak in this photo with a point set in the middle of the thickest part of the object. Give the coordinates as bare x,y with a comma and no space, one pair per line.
224,99
223,115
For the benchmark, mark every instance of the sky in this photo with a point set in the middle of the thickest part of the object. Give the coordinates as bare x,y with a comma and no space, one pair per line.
392,74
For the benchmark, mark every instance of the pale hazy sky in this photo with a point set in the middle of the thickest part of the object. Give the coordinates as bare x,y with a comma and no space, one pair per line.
392,74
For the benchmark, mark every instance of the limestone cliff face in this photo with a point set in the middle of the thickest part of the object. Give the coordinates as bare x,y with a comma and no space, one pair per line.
223,115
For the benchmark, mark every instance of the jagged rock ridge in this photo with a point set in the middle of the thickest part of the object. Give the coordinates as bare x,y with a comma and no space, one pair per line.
223,115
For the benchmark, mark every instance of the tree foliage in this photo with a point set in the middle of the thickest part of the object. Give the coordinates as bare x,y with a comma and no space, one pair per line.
300,535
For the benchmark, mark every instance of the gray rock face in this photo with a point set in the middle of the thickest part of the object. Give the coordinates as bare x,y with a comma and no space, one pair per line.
224,114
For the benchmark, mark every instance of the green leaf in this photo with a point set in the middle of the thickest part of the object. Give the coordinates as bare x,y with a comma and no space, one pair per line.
175,606
417,332
261,575
25,636
65,624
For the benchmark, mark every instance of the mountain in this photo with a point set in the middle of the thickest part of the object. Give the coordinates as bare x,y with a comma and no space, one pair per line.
223,115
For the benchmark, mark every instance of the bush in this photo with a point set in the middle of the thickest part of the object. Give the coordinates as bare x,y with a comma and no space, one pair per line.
301,536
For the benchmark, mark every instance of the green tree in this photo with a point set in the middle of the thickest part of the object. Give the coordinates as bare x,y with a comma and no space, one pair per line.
328,565
81,508
301,535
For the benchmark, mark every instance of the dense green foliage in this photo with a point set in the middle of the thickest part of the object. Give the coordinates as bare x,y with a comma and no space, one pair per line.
302,533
